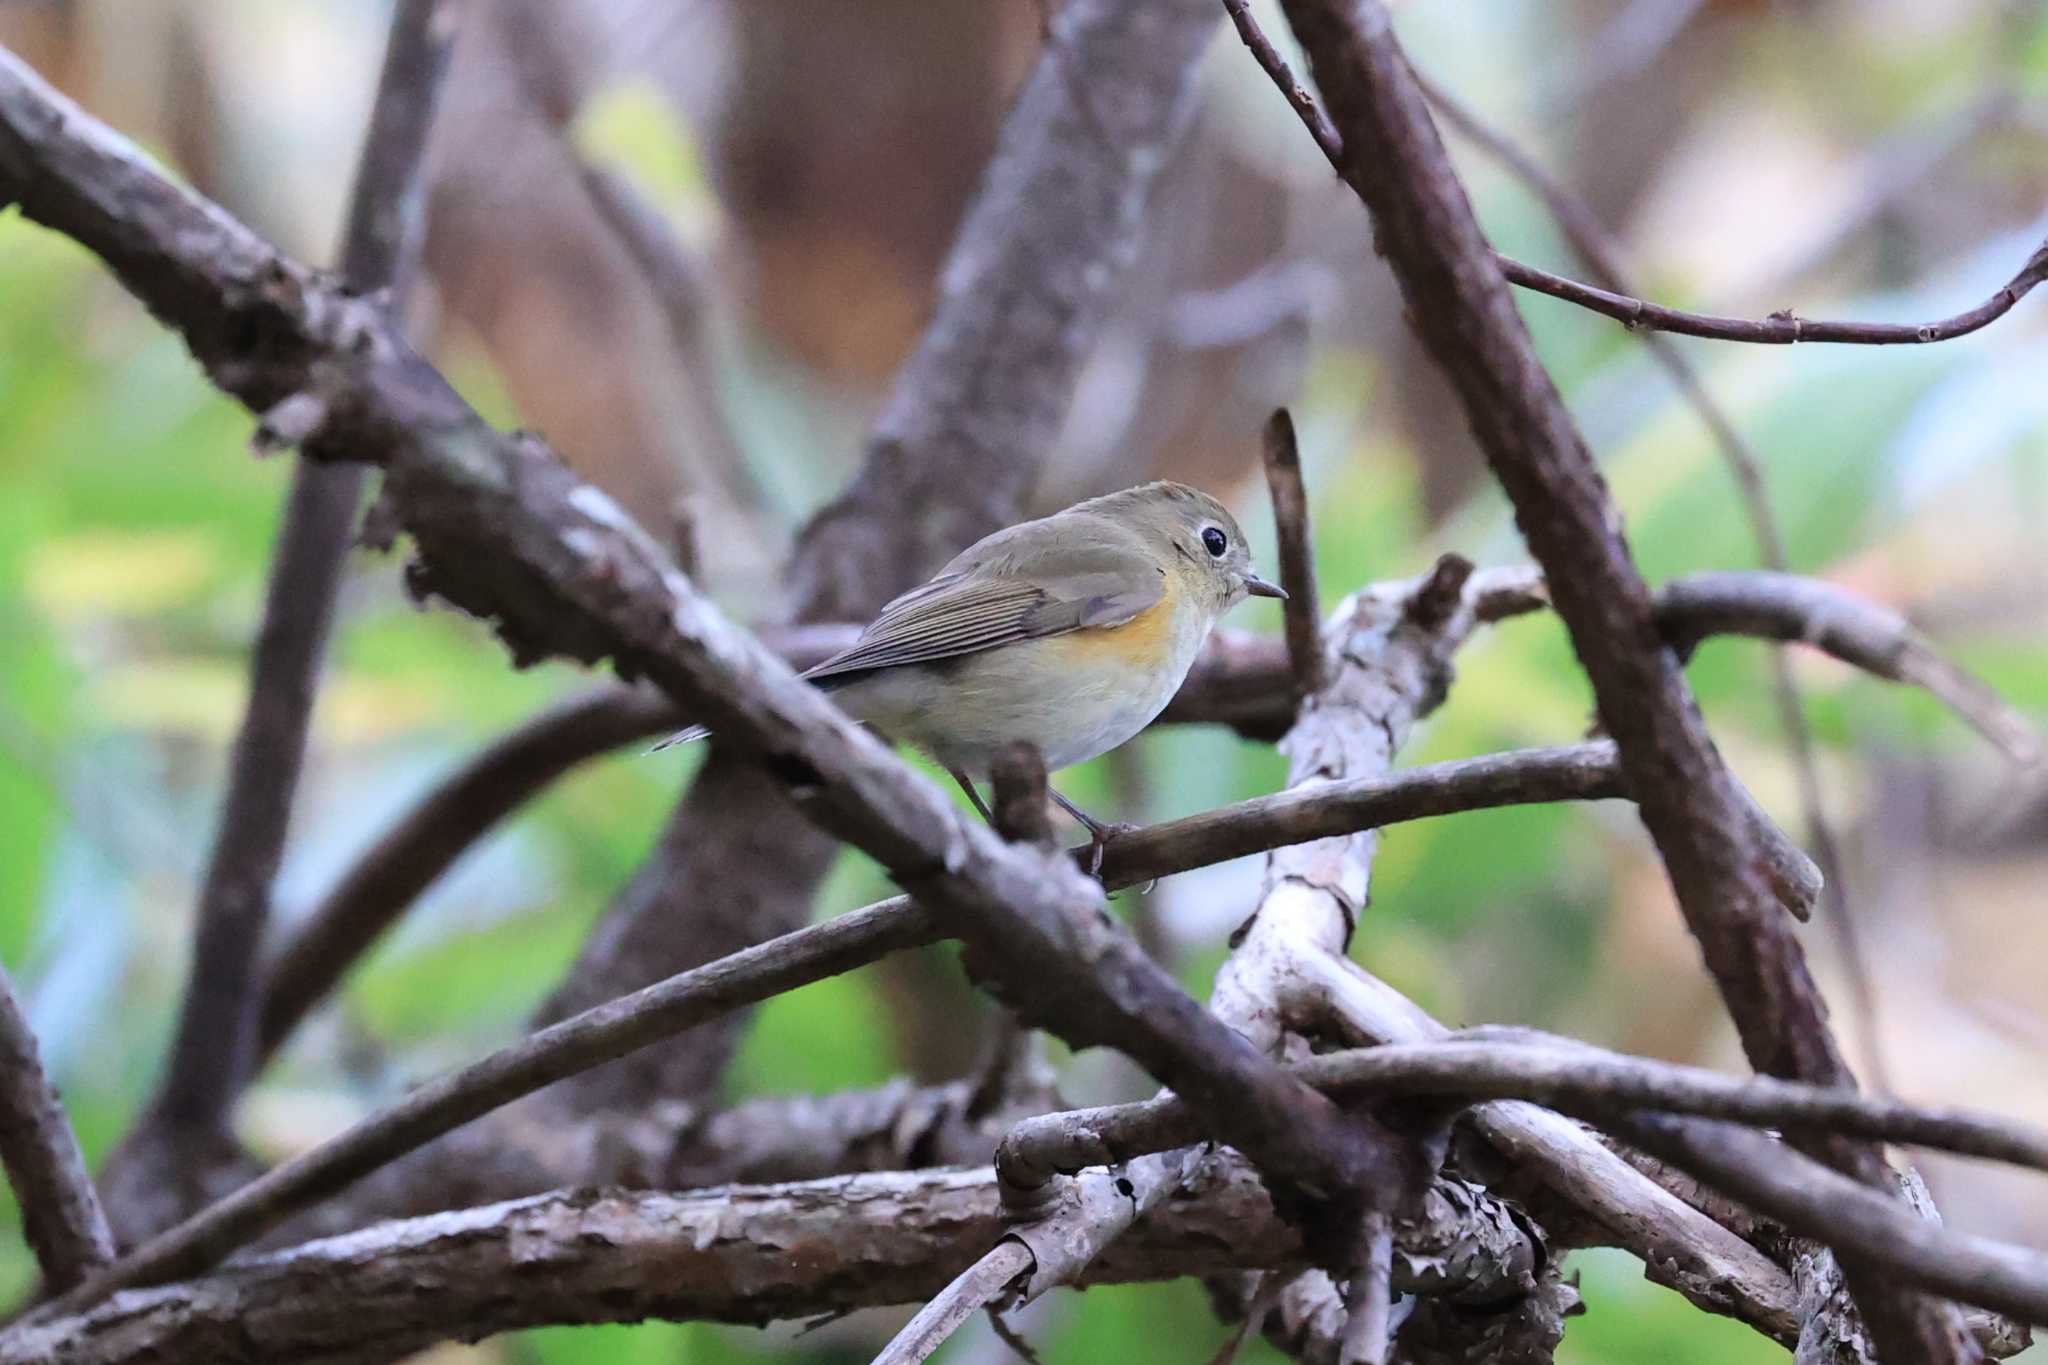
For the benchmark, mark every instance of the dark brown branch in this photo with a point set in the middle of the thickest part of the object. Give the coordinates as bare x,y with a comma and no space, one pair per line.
584,1256
215,1042
1571,1077
60,1210
1602,255
574,1045
1868,1230
1301,611
742,1254
1856,631
428,837
1782,328
1467,319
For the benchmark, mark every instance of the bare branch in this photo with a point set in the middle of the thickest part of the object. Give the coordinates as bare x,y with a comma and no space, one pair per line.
428,837
573,1045
1302,613
1782,328
1679,1246
1368,1303
216,1038
60,1210
1858,632
980,1284
1467,318
1868,1230
1562,1074
582,1256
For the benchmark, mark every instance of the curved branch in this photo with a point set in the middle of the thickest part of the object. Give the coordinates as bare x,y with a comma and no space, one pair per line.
1783,328
60,1211
429,836
1787,607
574,1045
980,1284
1571,1077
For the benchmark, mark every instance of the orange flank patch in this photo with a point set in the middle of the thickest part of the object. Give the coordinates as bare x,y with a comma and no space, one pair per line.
1141,641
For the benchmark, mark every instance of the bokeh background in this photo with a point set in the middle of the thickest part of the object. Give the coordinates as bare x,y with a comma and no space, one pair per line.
1881,159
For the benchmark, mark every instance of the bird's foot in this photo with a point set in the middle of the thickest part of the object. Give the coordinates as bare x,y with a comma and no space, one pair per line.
1099,832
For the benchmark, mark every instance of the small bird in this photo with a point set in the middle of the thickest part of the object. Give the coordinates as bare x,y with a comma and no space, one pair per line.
1072,632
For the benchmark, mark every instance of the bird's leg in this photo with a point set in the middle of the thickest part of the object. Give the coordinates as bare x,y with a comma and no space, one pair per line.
972,794
1099,834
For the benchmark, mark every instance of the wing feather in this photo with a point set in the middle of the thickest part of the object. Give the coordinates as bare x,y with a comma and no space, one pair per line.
967,612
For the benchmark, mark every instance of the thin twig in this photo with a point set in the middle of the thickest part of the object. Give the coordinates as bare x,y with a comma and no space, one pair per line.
979,1284
60,1211
1562,1074
1782,328
216,1039
1301,612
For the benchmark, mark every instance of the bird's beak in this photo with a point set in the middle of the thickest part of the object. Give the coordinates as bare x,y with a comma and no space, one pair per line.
1259,587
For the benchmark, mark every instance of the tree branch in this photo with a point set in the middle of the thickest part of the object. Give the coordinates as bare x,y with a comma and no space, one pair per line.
1863,634
60,1210
743,1254
1562,1074
1868,1230
427,838
215,1042
1467,318
574,1045
1301,612
736,1254
1782,328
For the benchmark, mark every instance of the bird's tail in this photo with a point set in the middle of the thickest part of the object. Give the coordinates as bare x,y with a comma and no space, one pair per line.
689,736
697,732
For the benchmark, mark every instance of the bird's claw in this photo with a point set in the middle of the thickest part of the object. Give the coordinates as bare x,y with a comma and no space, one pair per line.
1099,837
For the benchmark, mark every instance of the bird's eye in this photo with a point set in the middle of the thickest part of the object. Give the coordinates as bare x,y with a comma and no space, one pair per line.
1214,541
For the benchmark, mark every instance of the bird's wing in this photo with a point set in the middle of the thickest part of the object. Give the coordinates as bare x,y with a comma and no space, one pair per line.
963,613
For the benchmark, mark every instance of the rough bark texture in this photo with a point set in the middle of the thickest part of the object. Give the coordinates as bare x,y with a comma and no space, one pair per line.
60,1212
1462,307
